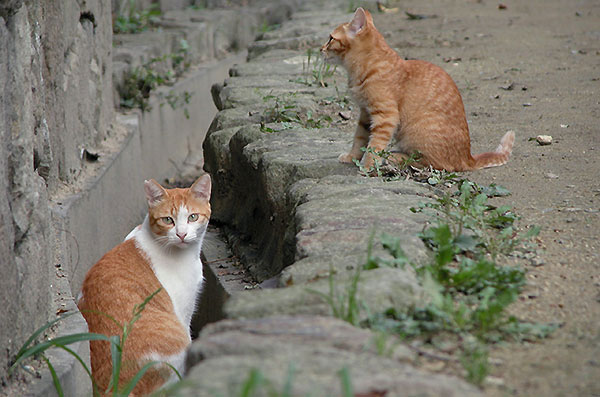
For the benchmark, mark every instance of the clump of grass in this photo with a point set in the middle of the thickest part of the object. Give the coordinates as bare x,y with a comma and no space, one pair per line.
315,71
117,343
136,21
386,165
475,225
265,27
285,112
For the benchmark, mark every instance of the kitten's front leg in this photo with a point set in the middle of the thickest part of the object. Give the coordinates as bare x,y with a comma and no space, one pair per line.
383,125
361,139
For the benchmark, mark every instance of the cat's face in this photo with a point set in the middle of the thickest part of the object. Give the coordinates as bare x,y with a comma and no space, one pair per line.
179,217
346,37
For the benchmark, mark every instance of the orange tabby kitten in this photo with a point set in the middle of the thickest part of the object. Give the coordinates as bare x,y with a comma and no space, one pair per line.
414,100
164,252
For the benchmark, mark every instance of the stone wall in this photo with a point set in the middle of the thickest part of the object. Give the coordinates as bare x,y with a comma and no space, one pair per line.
56,100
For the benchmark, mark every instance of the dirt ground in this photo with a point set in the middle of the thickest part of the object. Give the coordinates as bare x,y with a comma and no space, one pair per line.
532,67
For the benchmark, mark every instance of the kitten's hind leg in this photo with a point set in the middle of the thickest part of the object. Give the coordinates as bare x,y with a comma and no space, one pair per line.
361,139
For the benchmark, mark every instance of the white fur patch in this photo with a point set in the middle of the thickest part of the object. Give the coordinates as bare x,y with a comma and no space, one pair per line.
176,265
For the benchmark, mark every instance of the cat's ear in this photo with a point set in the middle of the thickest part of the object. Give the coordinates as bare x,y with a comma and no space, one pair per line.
201,188
154,192
358,22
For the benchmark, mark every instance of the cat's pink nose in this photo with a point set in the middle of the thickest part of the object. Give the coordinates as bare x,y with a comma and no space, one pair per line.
181,235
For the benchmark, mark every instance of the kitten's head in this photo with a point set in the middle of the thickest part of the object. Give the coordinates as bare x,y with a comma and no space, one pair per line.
347,37
179,217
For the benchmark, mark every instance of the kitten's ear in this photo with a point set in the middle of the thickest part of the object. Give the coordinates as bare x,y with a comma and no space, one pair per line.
358,22
154,192
201,188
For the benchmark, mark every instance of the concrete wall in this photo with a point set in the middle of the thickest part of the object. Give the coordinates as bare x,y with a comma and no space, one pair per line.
63,210
55,100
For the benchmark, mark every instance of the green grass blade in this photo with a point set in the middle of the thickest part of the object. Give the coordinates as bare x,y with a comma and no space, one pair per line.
55,379
84,365
37,333
346,383
116,357
60,341
137,310
108,316
287,387
255,379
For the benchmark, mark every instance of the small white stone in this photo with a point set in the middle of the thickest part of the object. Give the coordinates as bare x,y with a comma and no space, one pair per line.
345,115
494,381
544,139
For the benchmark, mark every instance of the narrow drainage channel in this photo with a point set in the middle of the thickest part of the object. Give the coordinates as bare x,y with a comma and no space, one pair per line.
224,275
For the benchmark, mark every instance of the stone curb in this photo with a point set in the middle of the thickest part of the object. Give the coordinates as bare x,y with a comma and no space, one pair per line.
293,213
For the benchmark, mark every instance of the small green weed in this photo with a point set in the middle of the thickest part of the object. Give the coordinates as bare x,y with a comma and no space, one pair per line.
386,165
142,80
136,21
344,306
265,27
377,169
283,109
476,226
197,7
116,347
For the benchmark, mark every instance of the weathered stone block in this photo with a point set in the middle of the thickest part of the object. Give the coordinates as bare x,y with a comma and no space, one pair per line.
378,290
307,353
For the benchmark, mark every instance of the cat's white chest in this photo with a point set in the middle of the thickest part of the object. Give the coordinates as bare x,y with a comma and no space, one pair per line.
178,271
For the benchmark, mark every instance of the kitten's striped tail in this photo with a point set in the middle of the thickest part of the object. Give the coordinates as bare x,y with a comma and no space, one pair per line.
497,157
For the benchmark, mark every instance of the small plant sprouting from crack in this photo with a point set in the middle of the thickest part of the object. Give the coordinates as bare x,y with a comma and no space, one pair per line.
285,112
315,71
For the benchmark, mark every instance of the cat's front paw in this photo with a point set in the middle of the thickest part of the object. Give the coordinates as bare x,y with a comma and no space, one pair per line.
368,161
346,158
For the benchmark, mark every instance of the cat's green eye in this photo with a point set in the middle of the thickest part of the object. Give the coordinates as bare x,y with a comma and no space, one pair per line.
193,218
167,220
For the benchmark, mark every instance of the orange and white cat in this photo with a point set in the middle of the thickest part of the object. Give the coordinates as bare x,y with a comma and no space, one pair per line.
164,252
415,101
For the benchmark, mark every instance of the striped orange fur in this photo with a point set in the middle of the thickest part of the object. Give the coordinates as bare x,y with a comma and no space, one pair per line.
413,101
163,252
